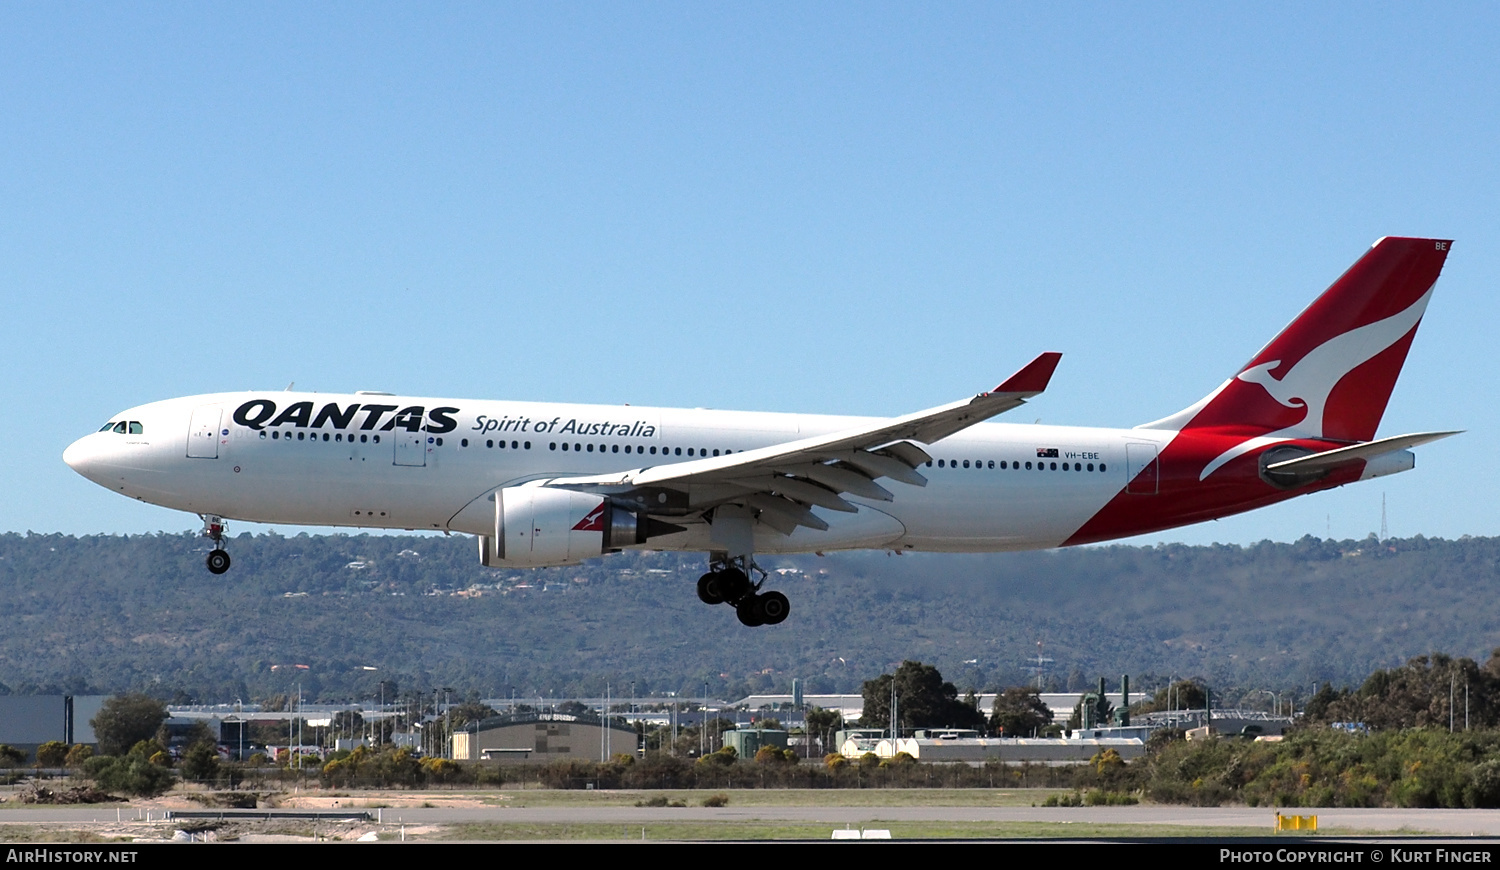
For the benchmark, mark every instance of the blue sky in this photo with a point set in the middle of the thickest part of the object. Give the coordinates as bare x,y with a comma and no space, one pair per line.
850,208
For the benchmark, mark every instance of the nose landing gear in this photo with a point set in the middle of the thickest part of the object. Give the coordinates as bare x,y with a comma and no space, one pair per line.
728,582
218,557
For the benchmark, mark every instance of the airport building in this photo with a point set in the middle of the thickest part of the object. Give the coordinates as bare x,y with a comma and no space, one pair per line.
538,738
28,721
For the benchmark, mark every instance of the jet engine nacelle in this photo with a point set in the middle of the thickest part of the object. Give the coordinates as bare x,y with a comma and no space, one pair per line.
538,526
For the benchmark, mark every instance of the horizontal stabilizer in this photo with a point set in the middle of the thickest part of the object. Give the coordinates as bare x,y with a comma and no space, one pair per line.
1329,459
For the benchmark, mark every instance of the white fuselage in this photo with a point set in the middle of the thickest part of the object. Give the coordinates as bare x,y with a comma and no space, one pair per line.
403,462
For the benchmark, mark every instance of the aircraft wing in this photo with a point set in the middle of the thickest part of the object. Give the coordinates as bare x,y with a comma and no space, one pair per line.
784,480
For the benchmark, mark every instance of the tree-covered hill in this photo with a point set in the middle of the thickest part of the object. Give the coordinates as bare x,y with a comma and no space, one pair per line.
110,613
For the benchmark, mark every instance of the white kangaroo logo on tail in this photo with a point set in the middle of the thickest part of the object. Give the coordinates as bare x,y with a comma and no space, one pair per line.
1313,378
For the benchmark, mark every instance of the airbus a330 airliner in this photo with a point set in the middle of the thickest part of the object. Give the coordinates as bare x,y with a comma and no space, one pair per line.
546,484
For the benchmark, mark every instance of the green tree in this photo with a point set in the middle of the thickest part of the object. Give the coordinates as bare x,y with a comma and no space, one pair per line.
53,753
1428,691
125,720
1104,712
132,773
775,755
77,755
469,711
823,723
1181,695
1019,712
923,700
201,762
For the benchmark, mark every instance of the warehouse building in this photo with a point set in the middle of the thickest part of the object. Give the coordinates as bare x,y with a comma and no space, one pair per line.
539,738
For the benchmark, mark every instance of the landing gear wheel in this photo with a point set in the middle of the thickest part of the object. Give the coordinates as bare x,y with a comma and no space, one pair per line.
734,585
710,589
218,562
751,611
775,607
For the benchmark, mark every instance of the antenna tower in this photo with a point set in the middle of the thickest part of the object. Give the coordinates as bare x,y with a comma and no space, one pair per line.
1038,668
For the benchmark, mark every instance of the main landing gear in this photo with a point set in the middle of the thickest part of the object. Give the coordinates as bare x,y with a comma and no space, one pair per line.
218,557
728,582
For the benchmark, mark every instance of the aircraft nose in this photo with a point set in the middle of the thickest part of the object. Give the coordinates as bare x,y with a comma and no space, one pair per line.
83,457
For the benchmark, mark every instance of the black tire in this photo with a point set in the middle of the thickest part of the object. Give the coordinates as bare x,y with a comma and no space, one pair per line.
775,606
710,590
218,561
734,586
751,611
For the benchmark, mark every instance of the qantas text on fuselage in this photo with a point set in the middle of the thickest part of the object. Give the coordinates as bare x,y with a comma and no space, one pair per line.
542,484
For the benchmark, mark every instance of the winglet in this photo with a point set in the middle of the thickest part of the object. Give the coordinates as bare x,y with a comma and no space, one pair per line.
1034,377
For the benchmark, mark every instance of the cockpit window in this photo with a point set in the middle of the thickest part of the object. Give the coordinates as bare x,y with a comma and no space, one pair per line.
120,427
135,427
107,426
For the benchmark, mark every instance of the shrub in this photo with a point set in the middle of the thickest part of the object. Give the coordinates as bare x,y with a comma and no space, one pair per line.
53,753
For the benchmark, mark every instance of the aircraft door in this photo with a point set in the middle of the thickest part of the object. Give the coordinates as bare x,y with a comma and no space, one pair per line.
411,447
203,432
1141,469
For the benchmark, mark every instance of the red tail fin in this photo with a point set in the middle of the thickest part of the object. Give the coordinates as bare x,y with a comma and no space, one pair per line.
1330,372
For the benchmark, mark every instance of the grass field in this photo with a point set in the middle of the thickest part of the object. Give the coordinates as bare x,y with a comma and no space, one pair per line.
767,797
